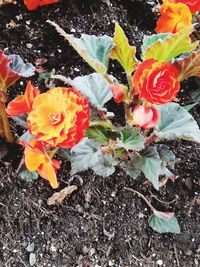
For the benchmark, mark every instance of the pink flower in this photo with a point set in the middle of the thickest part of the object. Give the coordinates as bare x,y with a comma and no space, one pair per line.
119,92
145,117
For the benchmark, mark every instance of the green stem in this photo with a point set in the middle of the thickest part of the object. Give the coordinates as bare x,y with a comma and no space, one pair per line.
108,79
128,114
106,124
129,79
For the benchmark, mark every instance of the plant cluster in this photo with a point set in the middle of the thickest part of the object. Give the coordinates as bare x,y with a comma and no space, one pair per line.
73,120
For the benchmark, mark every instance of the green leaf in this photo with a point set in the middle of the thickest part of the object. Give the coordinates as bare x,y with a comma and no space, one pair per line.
150,164
95,88
188,66
119,152
166,155
44,76
65,153
148,161
27,137
21,121
171,46
131,139
168,160
196,95
93,49
84,155
161,225
130,168
100,134
122,51
190,106
150,40
24,69
176,122
28,176
105,166
87,154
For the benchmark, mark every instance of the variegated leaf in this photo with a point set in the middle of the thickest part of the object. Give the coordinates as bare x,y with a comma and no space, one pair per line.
174,45
93,49
188,66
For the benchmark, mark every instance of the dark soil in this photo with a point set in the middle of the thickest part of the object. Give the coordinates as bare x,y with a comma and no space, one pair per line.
101,224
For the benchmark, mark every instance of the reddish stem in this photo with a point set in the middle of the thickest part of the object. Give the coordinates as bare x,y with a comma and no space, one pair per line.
150,140
142,196
6,124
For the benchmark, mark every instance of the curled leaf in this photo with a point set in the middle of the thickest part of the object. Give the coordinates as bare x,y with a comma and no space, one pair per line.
18,65
7,76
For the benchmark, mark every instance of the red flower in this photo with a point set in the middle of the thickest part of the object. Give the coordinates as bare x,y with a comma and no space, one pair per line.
59,117
156,82
33,4
145,117
23,103
119,92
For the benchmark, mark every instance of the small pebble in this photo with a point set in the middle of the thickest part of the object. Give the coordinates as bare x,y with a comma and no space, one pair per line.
30,247
159,262
53,248
29,46
188,252
32,259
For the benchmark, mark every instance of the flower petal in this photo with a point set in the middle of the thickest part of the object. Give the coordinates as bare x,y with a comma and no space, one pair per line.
48,172
23,104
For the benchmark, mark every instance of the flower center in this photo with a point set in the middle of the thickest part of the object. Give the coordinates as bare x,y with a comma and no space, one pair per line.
55,118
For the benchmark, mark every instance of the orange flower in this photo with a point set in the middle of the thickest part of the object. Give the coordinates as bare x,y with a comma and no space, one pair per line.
33,4
194,5
156,82
23,104
37,159
145,117
59,117
174,17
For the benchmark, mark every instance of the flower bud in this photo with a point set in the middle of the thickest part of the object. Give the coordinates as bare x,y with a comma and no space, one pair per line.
119,92
145,117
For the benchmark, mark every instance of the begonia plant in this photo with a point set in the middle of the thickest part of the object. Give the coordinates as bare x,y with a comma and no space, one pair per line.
73,120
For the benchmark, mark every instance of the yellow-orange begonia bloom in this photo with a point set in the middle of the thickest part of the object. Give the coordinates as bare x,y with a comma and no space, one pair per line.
194,5
174,17
59,117
37,159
